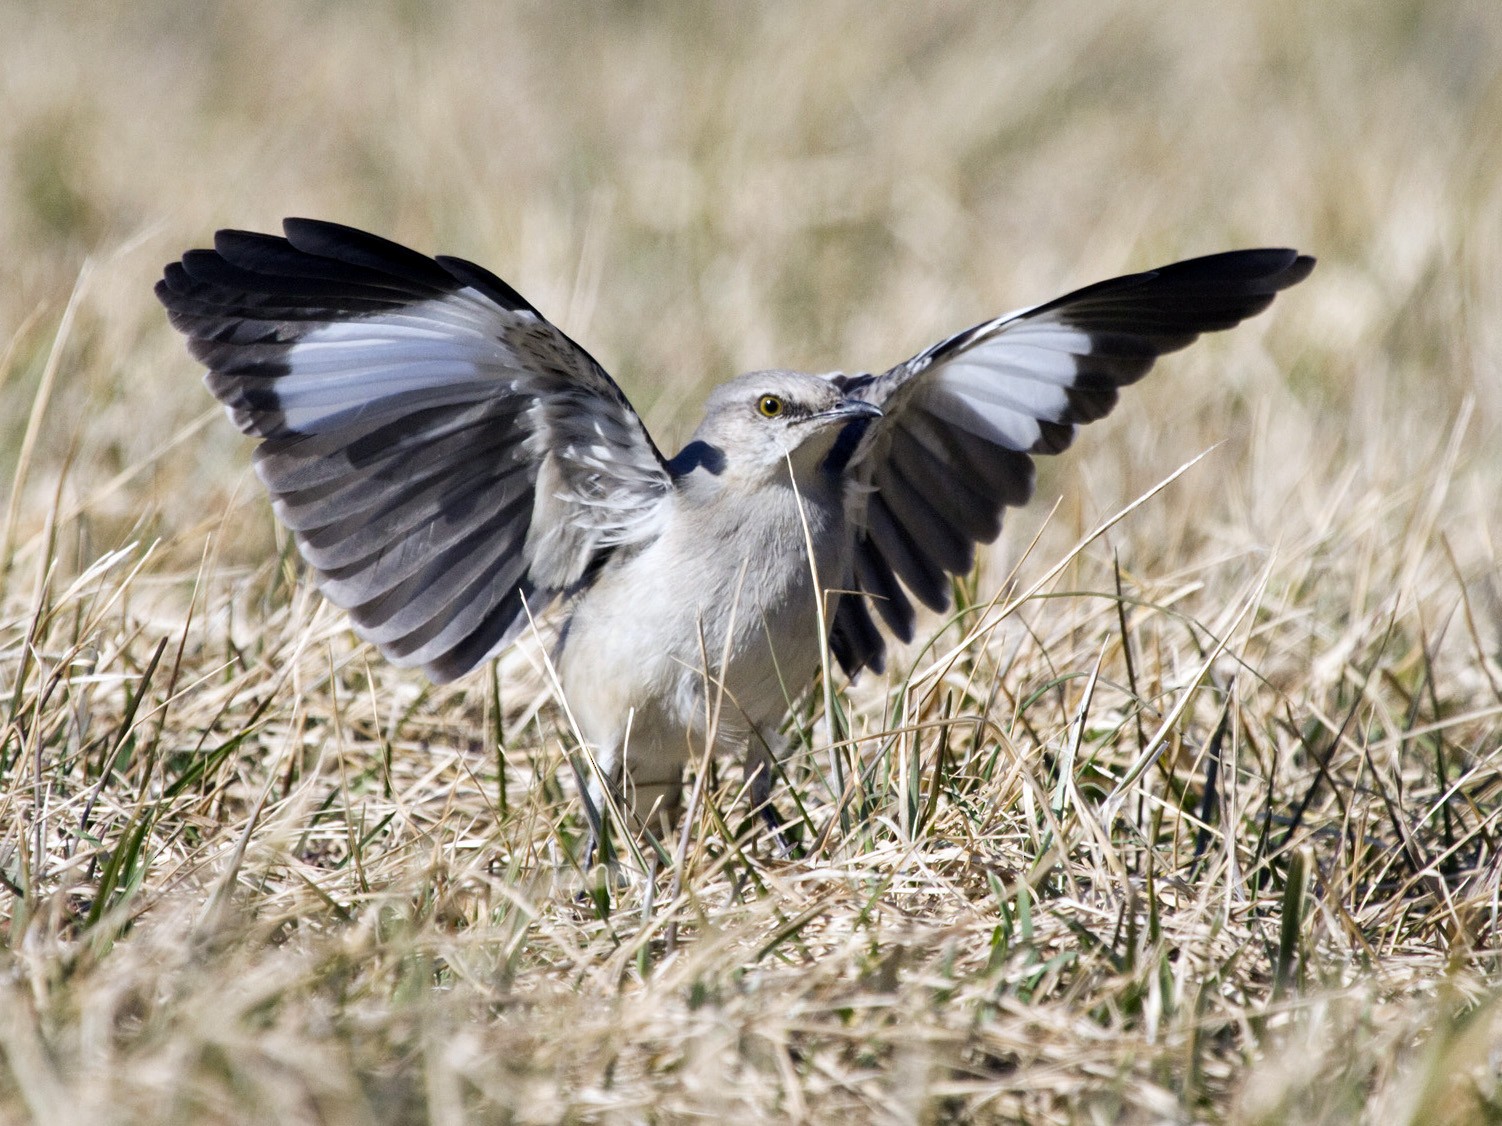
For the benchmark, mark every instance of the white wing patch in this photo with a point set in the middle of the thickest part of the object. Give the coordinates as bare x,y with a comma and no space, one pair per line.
444,456
962,419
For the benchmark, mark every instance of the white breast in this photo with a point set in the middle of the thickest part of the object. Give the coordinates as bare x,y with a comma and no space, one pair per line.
720,581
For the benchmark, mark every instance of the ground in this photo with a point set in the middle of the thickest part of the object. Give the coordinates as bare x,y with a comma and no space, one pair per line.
1191,816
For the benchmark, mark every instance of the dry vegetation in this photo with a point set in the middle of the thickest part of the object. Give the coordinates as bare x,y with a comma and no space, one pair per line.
1198,821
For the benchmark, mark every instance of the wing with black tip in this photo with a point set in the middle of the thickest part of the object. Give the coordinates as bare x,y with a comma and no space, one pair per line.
962,420
441,452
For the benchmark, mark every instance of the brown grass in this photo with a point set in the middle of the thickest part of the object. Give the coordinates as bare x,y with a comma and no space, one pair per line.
252,874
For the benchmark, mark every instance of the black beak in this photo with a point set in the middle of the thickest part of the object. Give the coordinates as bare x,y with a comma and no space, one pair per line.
848,410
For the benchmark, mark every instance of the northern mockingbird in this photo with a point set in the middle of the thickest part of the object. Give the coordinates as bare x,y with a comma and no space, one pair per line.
450,463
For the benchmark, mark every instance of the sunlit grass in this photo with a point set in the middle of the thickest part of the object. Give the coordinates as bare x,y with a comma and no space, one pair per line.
1193,819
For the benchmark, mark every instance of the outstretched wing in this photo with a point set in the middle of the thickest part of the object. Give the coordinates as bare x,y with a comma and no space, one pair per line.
439,450
962,419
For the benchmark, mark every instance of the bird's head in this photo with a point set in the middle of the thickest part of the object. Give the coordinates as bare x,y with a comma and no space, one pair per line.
757,423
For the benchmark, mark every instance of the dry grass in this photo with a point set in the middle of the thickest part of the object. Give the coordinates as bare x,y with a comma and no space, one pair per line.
252,874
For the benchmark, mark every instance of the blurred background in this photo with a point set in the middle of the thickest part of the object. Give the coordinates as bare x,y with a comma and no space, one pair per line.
693,191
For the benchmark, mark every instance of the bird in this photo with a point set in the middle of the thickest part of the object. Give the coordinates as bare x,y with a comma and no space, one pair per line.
450,465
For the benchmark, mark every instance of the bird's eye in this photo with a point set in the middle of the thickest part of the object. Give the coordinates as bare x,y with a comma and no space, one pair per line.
770,406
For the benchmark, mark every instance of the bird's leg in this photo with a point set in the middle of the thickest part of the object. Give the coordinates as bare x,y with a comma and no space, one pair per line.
593,796
761,767
649,810
600,792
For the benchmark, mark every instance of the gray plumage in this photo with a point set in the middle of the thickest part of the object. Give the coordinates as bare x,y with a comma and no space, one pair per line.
449,462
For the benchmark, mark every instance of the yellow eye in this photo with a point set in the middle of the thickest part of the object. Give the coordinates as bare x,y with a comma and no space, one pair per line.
770,406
